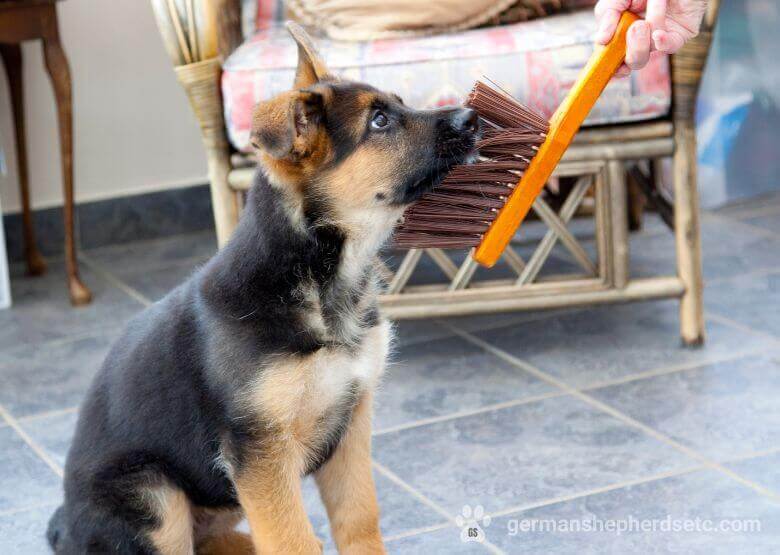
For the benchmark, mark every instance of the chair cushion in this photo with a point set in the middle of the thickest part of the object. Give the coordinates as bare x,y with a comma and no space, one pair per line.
536,61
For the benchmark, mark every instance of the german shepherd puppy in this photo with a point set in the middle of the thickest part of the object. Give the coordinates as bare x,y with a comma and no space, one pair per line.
260,368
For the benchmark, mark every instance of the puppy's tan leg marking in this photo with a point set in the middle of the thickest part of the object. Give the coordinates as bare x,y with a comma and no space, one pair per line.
230,543
347,487
215,532
269,491
174,534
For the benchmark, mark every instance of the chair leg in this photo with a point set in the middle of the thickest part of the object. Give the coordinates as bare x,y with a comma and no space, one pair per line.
618,198
636,200
59,73
224,201
688,235
201,84
12,60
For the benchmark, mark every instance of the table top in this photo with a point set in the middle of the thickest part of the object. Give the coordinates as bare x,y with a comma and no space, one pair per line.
22,3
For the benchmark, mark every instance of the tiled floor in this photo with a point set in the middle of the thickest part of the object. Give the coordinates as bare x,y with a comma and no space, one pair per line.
550,421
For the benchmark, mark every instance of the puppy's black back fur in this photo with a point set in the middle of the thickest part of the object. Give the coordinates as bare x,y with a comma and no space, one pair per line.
165,399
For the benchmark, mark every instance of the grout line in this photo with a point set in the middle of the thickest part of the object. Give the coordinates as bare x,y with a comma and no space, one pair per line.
153,241
40,451
759,272
617,414
756,228
521,318
756,212
469,412
387,473
115,281
742,327
419,531
595,491
662,371
58,342
47,414
28,508
750,455
192,262
752,229
492,548
682,367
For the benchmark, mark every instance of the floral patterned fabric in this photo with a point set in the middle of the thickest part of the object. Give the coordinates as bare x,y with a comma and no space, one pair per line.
536,61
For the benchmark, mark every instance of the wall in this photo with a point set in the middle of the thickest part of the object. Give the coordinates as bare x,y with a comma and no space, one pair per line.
134,131
739,104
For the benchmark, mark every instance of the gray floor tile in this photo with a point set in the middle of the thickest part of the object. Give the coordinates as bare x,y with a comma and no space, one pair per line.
25,480
39,380
704,495
156,283
157,253
440,542
729,248
769,222
764,471
613,342
54,433
522,454
721,410
477,322
24,532
752,300
409,332
42,310
445,376
743,207
400,512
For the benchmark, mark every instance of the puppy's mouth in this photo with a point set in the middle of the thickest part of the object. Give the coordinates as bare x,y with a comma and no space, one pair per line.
437,172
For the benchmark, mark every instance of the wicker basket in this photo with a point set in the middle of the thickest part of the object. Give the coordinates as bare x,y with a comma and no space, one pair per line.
524,10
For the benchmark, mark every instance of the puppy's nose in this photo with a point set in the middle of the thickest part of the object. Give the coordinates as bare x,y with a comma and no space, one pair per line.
465,119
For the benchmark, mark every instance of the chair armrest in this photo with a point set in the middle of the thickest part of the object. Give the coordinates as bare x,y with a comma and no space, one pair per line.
197,30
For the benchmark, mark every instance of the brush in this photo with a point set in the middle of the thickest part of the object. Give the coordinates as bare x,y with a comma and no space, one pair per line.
481,205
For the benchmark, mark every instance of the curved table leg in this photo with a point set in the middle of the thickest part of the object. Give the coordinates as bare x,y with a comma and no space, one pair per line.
12,60
59,73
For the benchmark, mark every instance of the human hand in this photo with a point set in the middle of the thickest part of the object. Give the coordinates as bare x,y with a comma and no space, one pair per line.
667,26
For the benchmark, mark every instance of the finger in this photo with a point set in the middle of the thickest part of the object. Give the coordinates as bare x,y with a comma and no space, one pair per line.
638,45
604,5
623,72
607,25
667,42
656,14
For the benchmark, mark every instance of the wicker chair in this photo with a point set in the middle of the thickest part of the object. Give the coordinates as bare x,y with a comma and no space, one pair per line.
200,33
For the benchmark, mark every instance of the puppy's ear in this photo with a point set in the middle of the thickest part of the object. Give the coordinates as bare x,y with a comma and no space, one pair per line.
286,126
311,68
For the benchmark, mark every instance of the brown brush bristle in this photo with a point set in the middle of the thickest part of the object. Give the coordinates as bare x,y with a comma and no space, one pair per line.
458,211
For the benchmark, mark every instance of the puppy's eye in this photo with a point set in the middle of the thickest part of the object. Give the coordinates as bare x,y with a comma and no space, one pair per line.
379,120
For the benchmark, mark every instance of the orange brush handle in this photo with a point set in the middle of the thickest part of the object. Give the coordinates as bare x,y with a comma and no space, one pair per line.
563,126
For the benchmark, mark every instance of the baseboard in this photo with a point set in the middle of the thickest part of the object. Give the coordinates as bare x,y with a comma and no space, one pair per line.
117,220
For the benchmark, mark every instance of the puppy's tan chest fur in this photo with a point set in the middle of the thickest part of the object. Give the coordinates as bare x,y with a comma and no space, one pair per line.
301,396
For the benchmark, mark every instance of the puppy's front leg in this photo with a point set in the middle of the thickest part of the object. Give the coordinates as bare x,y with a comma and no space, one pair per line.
347,487
269,490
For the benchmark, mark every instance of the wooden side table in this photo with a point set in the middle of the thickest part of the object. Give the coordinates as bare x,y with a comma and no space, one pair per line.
23,20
